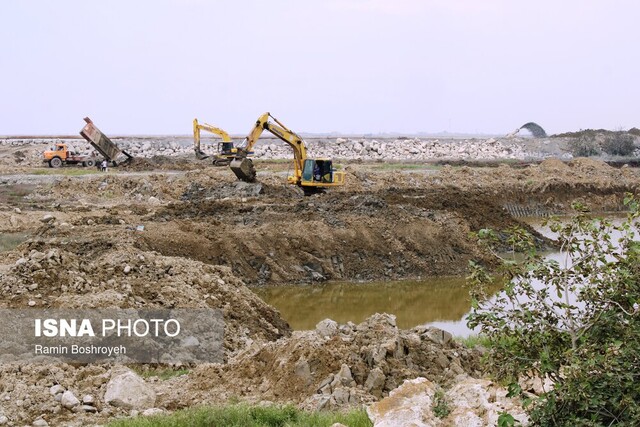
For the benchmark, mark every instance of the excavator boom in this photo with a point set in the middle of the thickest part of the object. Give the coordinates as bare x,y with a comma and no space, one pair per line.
307,173
243,167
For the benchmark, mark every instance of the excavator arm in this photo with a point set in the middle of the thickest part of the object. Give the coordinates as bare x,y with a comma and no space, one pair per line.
197,127
311,174
243,169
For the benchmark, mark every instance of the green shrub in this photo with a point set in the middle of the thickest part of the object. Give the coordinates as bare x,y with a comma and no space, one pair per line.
440,405
620,144
575,322
584,146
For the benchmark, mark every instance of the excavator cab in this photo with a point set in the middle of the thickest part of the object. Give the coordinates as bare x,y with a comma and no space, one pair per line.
316,171
226,148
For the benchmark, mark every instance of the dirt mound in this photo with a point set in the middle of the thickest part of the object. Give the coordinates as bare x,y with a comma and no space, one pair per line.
159,163
553,165
107,271
335,365
383,225
310,240
587,166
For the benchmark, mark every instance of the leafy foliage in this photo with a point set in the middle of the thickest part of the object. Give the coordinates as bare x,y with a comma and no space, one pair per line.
618,144
440,405
584,146
576,322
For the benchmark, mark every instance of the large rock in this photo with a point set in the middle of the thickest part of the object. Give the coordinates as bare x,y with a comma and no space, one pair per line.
375,382
47,218
472,403
474,399
69,400
408,405
56,389
127,390
438,336
327,328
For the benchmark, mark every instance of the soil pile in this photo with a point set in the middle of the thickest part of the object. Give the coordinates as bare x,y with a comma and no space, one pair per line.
106,271
333,366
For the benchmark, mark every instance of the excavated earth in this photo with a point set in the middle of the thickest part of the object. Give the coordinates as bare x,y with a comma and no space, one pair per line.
198,238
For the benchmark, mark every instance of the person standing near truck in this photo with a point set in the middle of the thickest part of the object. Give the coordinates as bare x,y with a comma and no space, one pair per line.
104,166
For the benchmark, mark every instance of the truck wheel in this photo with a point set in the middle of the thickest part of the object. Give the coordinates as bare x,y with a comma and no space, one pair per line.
56,162
89,163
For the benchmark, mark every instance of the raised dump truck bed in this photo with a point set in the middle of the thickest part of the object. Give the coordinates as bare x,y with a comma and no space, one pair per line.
101,142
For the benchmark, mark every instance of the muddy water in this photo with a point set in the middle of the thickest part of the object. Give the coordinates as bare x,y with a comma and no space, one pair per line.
9,241
441,301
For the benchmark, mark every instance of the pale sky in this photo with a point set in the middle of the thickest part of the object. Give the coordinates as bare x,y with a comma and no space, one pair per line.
351,66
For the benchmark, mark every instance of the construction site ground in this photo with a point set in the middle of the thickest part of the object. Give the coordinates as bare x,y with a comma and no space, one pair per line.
193,236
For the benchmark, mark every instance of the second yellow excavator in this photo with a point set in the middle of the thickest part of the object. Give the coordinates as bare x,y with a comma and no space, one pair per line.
226,152
310,174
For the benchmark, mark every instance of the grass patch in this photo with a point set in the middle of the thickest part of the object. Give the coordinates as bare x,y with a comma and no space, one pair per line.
473,341
243,415
14,194
162,373
9,241
66,171
401,166
440,406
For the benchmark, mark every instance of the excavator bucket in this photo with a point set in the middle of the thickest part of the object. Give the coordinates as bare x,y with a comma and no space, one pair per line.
221,161
200,155
244,169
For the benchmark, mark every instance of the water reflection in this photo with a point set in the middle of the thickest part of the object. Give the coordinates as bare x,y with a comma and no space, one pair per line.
440,300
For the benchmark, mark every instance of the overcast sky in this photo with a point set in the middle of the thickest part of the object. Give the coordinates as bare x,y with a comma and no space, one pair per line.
352,66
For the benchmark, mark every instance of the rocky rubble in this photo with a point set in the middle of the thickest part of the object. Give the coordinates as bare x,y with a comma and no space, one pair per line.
414,149
28,152
469,402
326,368
91,273
334,367
366,149
28,396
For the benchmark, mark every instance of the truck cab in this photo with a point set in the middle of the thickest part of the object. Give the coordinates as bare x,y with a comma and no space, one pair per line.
61,153
57,155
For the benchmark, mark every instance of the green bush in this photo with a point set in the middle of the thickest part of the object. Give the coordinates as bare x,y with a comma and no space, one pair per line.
440,405
584,146
620,144
575,322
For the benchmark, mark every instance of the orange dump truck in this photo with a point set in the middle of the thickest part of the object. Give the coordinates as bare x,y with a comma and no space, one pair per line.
63,153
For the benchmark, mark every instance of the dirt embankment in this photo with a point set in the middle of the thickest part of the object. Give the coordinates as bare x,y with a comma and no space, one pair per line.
383,225
203,237
386,226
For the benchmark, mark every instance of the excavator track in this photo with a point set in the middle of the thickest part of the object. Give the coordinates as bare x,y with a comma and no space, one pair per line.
244,169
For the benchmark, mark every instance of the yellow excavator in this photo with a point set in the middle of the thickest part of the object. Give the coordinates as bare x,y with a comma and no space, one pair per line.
226,152
311,174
